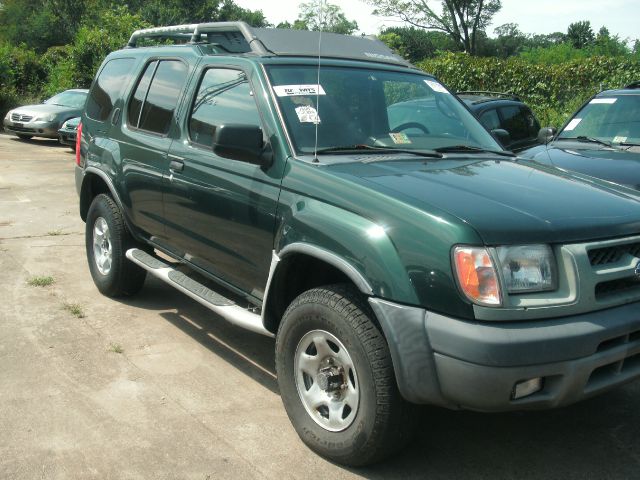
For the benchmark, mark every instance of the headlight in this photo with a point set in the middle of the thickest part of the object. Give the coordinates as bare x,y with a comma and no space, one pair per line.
48,118
8,115
524,269
527,268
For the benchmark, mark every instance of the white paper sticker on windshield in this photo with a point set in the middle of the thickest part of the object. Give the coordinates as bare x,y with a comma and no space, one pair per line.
399,138
604,100
307,114
298,90
572,124
619,139
436,87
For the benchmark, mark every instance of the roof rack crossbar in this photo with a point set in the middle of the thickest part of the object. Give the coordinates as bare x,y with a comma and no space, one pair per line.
633,85
193,33
485,92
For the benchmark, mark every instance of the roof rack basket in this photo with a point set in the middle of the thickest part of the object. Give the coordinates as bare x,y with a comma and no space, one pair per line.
240,38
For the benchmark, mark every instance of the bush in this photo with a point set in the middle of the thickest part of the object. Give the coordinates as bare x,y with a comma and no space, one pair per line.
21,75
552,91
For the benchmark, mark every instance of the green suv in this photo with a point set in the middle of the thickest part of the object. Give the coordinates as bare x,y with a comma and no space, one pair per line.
395,263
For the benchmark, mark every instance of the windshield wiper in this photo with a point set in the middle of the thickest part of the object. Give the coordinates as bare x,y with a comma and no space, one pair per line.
470,149
584,138
360,147
628,144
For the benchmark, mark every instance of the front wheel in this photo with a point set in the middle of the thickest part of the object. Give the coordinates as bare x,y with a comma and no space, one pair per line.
24,137
107,240
336,378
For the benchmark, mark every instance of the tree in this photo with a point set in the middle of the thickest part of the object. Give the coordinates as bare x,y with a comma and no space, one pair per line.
329,18
510,40
580,34
462,20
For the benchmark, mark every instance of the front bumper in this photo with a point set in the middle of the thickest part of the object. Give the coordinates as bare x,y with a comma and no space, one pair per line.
476,365
67,137
36,129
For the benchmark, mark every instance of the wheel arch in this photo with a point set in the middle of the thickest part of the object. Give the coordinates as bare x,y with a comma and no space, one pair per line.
288,278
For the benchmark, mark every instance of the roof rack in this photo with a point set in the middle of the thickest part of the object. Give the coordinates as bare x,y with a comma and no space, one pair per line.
633,85
508,96
239,37
234,37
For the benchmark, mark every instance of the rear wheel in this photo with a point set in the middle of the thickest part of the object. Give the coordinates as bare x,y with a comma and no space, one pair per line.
107,240
336,378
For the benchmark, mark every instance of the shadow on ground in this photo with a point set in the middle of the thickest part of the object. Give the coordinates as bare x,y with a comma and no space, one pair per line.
598,438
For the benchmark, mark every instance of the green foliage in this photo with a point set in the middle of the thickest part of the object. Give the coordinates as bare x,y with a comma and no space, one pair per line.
416,44
553,91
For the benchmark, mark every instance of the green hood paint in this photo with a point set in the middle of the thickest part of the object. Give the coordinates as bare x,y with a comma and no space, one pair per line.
506,202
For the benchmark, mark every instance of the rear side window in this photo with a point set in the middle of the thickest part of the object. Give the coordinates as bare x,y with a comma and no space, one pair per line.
224,97
490,119
107,88
519,122
156,96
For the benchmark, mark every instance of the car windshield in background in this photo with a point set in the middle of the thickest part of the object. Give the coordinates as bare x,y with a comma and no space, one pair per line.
380,108
610,119
68,99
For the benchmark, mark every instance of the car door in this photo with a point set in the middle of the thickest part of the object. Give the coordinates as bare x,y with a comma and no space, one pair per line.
144,139
220,212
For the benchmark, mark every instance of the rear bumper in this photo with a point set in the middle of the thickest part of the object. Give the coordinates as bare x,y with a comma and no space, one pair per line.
475,365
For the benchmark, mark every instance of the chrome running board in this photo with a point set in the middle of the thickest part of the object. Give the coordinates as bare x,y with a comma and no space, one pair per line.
215,302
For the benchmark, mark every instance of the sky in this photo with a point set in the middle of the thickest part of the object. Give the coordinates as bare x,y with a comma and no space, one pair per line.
621,17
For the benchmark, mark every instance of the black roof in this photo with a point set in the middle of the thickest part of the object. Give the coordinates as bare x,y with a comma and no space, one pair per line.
239,37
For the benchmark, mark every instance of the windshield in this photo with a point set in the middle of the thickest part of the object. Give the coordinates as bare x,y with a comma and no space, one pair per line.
68,99
612,119
380,108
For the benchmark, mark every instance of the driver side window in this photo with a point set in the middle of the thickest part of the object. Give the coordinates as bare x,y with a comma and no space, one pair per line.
224,97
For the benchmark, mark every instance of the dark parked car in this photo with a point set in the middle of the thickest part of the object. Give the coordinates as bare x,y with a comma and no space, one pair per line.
45,119
507,112
602,139
395,259
67,133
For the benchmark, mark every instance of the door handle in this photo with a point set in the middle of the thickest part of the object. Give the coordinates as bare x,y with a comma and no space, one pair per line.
176,165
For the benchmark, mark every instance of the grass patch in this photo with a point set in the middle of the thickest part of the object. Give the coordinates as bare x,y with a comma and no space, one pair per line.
54,233
116,348
41,281
74,309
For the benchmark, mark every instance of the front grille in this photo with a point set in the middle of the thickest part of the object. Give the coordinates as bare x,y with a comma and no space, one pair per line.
16,117
615,287
613,254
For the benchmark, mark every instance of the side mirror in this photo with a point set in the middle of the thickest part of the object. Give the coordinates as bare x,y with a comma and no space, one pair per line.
242,142
546,134
502,135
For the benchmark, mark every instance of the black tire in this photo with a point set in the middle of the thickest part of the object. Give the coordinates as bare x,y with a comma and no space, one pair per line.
123,276
381,424
24,137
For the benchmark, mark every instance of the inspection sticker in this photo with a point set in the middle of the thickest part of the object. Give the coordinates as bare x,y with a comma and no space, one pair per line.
307,114
572,124
298,90
436,87
619,139
604,100
399,138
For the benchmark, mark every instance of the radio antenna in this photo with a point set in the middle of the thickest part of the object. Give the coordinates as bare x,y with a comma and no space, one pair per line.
317,122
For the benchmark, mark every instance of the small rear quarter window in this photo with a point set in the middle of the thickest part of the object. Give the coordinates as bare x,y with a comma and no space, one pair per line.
107,88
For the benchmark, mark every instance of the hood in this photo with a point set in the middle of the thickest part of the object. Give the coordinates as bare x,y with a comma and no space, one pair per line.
45,109
505,201
612,164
